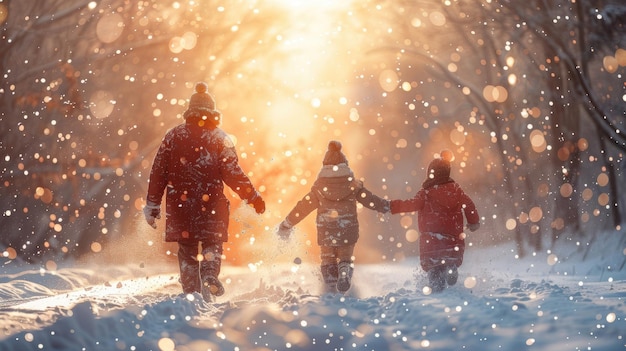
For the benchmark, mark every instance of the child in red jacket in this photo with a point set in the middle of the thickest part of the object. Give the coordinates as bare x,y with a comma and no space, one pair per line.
441,204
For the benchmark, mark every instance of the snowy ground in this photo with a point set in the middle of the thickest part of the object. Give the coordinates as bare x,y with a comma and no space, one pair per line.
501,303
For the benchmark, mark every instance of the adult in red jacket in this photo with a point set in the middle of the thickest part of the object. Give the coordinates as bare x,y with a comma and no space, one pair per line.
441,204
192,164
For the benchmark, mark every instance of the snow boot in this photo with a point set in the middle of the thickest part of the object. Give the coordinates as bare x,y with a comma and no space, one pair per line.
211,287
344,277
189,278
436,279
452,275
329,274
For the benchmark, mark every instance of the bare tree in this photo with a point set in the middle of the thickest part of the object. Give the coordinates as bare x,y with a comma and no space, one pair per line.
88,90
458,55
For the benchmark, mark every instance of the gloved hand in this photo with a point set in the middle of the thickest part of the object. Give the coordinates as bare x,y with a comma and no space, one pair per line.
258,204
152,212
284,230
473,226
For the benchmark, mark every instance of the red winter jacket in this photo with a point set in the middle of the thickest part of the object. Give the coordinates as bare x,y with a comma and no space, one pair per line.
191,166
440,221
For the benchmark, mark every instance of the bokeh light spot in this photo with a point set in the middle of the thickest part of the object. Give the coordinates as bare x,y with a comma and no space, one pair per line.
10,253
587,194
620,56
412,235
493,93
602,179
538,141
437,18
610,63
110,28
388,80
535,214
96,247
457,137
566,190
611,317
166,344
552,259
470,282
511,224
354,115
101,104
51,265
603,199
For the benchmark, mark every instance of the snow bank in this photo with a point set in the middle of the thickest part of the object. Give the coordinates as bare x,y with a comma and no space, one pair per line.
542,302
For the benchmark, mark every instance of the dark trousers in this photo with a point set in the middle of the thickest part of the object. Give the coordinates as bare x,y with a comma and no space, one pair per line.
332,257
198,261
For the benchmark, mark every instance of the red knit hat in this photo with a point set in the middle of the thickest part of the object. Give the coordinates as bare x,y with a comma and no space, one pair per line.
439,168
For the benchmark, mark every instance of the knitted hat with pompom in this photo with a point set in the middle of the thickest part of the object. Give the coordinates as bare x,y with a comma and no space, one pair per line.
202,105
334,156
439,168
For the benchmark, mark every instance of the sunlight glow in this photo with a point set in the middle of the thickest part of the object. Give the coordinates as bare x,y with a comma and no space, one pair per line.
4,13
298,6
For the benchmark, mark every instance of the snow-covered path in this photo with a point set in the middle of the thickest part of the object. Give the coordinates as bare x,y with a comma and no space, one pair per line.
500,303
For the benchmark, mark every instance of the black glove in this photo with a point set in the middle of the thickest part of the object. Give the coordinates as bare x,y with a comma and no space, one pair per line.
258,204
473,226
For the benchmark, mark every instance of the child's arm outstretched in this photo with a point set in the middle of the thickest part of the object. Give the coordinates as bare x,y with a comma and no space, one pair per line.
371,201
302,209
410,205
